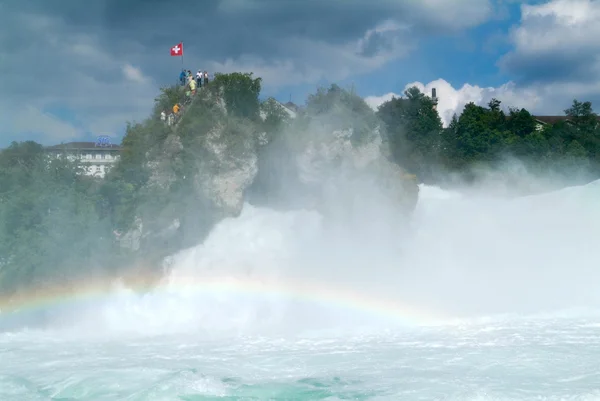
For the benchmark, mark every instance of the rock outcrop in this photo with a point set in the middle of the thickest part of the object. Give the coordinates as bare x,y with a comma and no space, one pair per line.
354,174
337,159
227,169
203,167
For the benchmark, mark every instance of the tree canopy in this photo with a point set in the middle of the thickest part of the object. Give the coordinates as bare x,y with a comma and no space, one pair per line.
486,135
58,225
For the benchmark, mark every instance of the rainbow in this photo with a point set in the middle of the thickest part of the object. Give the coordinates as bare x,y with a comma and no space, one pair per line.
325,295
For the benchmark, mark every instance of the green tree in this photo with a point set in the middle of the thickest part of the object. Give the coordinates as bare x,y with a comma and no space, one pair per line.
24,155
275,115
49,222
586,129
478,136
337,108
241,93
520,122
582,115
169,97
576,157
414,130
57,225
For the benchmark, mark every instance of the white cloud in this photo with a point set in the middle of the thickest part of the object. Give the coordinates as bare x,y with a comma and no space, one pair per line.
307,60
29,119
313,61
540,99
375,101
557,39
556,50
558,25
99,91
452,100
134,74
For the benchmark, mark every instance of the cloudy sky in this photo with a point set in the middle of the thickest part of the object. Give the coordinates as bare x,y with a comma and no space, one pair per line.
72,69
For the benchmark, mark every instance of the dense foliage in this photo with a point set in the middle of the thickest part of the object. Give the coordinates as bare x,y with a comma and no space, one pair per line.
486,136
59,226
51,224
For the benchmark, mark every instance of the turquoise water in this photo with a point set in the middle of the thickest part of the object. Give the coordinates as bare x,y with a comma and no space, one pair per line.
549,359
468,258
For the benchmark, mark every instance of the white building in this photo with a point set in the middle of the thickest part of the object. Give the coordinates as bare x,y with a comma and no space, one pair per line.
96,157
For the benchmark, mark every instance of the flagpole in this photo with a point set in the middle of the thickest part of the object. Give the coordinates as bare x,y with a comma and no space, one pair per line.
182,54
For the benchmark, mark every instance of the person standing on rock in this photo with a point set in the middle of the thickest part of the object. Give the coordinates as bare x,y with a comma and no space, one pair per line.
199,78
193,86
205,78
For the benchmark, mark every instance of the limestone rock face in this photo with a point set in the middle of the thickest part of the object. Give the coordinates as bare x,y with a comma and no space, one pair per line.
159,165
355,174
219,166
211,159
227,169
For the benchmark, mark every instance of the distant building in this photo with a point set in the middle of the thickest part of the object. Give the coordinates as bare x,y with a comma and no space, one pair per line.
97,157
295,109
290,108
542,121
434,98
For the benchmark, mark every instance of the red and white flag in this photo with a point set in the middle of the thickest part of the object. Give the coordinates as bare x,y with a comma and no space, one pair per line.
177,50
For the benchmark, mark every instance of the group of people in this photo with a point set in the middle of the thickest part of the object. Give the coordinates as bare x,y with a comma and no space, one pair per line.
170,118
186,79
192,83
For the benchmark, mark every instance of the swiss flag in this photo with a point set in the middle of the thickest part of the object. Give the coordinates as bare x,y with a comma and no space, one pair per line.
177,50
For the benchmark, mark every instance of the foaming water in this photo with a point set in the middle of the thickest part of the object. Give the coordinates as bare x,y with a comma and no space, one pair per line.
262,272
482,298
535,360
484,255
464,256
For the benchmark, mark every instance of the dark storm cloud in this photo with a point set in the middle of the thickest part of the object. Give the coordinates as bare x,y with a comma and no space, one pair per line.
92,57
228,28
572,66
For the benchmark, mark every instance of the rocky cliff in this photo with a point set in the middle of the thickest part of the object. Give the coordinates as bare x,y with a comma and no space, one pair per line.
333,157
203,168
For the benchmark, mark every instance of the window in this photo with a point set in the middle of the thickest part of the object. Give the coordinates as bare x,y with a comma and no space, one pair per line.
98,156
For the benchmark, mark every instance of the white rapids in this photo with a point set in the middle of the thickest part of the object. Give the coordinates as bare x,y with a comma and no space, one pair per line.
515,279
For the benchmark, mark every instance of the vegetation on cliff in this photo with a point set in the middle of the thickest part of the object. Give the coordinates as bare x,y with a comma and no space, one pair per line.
487,136
173,183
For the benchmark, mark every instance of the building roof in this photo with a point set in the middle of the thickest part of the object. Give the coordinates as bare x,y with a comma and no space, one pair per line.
292,106
554,119
83,146
551,119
